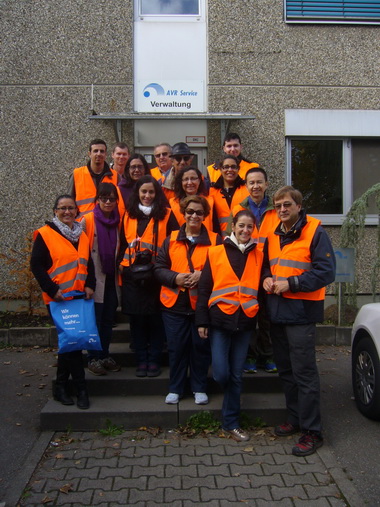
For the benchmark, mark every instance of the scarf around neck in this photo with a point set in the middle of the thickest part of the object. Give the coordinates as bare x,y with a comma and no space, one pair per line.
242,246
106,229
70,234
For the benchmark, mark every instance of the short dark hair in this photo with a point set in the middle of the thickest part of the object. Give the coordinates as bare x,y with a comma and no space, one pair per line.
127,176
122,146
159,208
256,170
178,190
106,190
225,157
97,141
231,135
243,213
198,199
63,196
293,192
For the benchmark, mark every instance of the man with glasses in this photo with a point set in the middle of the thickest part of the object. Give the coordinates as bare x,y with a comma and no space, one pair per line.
231,146
299,262
85,180
120,155
162,153
181,157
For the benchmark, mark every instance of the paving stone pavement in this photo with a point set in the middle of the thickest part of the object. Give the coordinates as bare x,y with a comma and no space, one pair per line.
144,469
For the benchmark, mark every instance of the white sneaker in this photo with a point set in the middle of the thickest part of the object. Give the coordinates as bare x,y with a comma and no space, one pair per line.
172,399
201,398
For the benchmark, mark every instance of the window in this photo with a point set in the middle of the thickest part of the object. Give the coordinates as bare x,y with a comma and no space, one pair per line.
330,11
169,7
331,173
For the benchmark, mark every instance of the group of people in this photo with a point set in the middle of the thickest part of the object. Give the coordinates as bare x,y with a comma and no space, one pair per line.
207,263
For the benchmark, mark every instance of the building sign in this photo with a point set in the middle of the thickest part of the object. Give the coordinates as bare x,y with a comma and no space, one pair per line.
345,265
170,96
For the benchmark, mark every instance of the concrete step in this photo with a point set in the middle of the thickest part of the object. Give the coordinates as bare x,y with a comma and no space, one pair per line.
125,382
151,411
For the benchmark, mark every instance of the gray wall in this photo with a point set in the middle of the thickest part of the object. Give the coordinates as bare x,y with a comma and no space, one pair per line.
54,51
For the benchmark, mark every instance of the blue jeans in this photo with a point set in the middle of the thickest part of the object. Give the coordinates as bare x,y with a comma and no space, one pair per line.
105,315
186,350
229,350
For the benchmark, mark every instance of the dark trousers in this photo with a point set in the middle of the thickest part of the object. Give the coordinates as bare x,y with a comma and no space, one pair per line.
105,315
71,363
260,346
186,351
294,355
148,336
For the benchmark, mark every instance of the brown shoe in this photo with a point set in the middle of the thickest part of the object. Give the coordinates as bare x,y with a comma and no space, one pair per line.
110,364
96,368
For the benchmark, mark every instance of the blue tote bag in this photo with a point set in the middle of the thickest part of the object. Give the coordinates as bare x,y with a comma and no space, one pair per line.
76,324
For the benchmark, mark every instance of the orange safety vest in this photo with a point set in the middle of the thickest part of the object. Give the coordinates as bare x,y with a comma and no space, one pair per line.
228,292
214,173
85,189
69,268
207,222
178,251
269,223
156,173
146,241
294,259
221,206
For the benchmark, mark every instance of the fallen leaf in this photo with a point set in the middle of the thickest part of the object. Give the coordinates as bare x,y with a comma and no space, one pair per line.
66,488
78,462
22,372
18,424
44,375
26,385
41,386
59,456
166,441
248,449
116,445
18,394
46,500
7,362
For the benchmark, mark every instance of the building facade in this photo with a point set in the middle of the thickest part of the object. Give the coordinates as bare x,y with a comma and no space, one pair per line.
299,81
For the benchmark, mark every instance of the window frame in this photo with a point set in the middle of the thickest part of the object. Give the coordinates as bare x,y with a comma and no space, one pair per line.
347,178
176,18
330,19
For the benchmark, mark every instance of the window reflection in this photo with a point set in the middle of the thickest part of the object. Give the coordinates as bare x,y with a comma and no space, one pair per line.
173,7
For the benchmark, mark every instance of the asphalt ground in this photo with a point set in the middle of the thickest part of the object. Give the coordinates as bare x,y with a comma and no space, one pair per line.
36,468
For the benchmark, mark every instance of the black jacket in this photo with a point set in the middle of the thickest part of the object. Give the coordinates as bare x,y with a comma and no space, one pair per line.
283,310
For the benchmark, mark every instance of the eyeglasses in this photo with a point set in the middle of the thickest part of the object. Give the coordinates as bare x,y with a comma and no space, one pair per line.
190,179
66,208
233,167
178,158
136,167
164,154
198,212
285,205
108,199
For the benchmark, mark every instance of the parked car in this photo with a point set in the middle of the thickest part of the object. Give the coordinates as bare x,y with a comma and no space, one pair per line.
365,343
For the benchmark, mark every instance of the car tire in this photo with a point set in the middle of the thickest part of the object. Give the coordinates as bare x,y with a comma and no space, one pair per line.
366,378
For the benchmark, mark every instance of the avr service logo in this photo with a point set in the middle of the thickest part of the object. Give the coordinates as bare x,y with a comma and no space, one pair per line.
154,88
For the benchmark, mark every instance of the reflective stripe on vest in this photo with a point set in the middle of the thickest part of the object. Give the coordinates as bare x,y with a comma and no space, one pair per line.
294,259
85,189
228,291
179,263
147,239
69,268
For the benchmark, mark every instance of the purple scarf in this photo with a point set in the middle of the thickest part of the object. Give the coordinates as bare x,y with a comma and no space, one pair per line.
106,229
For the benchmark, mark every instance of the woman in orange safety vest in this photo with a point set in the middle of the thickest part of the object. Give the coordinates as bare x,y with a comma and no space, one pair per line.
61,262
179,265
226,309
145,225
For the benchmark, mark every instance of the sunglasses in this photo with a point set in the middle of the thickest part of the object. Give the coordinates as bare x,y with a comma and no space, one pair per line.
198,212
178,158
285,205
164,154
107,199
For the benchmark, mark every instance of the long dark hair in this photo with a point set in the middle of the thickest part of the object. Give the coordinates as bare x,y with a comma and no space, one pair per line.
159,208
179,191
127,176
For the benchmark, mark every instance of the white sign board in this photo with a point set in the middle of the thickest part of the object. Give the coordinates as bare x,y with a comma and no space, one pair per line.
170,96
